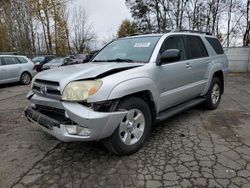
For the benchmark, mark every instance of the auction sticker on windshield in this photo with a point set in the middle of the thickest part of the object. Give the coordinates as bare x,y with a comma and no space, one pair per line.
142,45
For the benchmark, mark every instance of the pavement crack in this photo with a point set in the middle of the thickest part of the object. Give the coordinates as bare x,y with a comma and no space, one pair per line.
37,162
13,96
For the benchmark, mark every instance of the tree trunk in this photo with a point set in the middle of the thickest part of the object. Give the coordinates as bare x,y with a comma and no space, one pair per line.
229,21
246,38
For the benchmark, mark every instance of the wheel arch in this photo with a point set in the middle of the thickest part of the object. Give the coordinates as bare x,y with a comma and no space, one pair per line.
219,74
216,71
147,97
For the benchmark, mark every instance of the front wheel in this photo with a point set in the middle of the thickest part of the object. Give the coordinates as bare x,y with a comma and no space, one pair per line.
134,128
214,93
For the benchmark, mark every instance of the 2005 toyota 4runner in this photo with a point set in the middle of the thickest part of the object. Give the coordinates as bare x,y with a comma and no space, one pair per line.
129,86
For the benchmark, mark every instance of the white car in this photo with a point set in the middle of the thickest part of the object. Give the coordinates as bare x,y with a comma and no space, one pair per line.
14,68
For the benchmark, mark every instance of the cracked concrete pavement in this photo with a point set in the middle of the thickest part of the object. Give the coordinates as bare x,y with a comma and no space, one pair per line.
197,148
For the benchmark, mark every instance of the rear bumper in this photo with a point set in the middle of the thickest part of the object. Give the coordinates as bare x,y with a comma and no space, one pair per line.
99,125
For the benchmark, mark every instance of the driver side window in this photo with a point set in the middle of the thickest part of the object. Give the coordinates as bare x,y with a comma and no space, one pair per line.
175,42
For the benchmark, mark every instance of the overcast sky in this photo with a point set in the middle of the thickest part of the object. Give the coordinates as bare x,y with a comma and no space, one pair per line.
105,15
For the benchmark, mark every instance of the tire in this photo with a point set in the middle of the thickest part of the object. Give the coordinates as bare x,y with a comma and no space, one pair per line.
25,78
213,95
136,125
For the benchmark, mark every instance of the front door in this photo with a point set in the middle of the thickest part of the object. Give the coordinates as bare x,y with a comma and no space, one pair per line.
175,78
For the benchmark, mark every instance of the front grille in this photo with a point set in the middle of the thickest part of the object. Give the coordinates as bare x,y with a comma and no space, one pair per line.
47,88
50,109
55,113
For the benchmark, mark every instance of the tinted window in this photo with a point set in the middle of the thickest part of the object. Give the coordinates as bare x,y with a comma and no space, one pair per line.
38,59
216,45
175,42
10,60
22,60
196,47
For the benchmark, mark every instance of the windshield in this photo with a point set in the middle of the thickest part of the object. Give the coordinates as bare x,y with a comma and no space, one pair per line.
38,59
137,49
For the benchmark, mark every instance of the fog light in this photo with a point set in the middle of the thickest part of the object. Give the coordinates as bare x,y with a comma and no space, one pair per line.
83,131
78,130
72,129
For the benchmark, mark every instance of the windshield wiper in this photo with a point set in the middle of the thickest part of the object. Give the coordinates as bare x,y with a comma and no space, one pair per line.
99,61
120,60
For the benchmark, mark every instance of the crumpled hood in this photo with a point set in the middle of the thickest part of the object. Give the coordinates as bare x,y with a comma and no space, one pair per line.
66,74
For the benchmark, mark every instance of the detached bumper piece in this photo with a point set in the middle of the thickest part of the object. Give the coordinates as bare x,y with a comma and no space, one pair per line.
57,128
42,119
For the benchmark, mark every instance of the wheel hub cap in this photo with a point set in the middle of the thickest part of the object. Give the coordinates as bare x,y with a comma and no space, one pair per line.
132,127
215,94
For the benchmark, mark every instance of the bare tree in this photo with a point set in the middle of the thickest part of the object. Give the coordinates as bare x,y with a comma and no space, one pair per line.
82,33
246,38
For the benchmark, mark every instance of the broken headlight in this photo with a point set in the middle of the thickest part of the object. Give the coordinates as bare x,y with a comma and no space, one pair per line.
81,90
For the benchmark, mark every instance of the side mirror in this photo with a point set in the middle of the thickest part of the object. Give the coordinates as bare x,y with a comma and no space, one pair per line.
168,56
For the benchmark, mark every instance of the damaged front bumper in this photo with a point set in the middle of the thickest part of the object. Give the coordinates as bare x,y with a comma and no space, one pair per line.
70,122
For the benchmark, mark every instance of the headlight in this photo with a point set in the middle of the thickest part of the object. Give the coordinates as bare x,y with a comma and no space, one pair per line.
81,90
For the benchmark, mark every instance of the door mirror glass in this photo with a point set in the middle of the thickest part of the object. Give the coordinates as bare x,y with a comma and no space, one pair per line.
169,56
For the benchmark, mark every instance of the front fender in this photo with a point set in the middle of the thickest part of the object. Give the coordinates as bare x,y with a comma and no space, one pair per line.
134,85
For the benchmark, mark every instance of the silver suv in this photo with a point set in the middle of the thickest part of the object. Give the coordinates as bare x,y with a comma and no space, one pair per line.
130,85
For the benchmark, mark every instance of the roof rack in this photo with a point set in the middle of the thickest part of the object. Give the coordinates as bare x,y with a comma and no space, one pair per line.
191,31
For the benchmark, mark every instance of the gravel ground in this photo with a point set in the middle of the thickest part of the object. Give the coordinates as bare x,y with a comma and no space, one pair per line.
197,148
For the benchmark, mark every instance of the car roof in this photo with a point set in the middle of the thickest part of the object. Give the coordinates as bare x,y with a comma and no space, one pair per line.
13,56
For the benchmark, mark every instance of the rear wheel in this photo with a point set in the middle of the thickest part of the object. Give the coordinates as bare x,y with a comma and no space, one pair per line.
213,96
133,130
25,78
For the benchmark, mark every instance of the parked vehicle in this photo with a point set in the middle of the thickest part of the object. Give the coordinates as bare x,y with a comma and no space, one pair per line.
15,68
78,58
41,60
130,85
58,62
8,53
90,55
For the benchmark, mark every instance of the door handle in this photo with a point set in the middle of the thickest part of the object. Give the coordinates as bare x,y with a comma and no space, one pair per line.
208,61
188,66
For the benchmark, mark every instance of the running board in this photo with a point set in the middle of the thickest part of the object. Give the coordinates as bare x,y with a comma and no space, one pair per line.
177,109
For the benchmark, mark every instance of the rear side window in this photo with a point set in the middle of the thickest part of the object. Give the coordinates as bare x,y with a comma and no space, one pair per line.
22,60
215,43
195,47
10,60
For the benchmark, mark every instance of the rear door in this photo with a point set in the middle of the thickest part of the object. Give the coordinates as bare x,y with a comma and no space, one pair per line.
199,61
12,67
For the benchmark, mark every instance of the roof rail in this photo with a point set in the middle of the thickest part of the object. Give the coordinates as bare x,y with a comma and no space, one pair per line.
191,31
